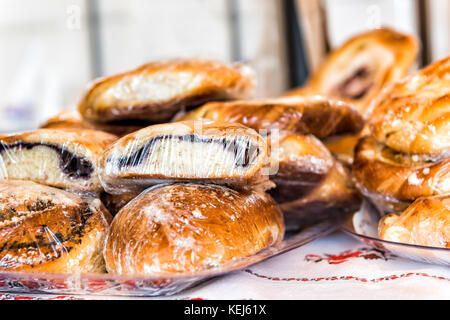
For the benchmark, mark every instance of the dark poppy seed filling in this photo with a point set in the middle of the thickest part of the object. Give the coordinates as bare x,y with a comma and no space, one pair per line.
243,153
72,165
357,85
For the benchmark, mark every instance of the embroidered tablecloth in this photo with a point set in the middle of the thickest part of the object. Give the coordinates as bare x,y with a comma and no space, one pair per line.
333,267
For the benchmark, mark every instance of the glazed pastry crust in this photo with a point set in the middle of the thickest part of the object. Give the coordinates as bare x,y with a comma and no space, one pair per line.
157,90
70,119
360,69
204,151
414,116
190,228
380,172
426,222
54,157
314,115
44,229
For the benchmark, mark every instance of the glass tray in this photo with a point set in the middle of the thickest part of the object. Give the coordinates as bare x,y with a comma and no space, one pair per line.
107,284
363,225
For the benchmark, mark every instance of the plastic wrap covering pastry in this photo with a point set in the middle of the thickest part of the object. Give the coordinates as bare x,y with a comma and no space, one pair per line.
190,228
59,158
70,119
45,229
363,66
425,222
333,198
407,154
198,150
315,115
157,90
300,164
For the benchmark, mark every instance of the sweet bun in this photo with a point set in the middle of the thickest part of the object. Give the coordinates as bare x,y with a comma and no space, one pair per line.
54,157
392,179
314,115
71,119
360,69
44,229
203,151
425,222
299,163
189,229
156,91
406,153
414,116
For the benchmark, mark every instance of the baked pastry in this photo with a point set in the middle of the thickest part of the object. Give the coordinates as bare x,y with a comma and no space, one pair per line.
333,198
59,158
157,90
362,67
414,116
425,222
314,115
206,151
189,229
71,119
298,164
44,229
406,154
392,180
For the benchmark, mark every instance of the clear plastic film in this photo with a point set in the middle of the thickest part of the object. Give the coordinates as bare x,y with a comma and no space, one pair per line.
45,229
158,90
202,151
55,157
190,228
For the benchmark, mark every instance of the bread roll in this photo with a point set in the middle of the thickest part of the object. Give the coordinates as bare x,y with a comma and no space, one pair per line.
315,115
190,228
425,222
44,229
206,151
55,157
157,90
363,66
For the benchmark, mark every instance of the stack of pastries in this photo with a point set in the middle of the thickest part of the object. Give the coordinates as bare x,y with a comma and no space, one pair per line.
170,169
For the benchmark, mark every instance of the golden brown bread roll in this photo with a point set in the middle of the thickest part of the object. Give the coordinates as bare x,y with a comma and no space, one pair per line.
206,151
55,157
157,90
190,228
406,152
44,229
425,222
359,70
315,115
71,119
393,180
414,116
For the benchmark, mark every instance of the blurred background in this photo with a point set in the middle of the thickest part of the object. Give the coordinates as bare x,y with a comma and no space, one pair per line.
51,49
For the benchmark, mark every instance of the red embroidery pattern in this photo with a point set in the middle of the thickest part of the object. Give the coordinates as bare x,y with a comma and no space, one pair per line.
7,296
360,279
366,253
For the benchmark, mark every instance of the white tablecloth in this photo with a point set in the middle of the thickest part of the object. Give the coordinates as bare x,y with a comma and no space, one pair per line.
334,267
